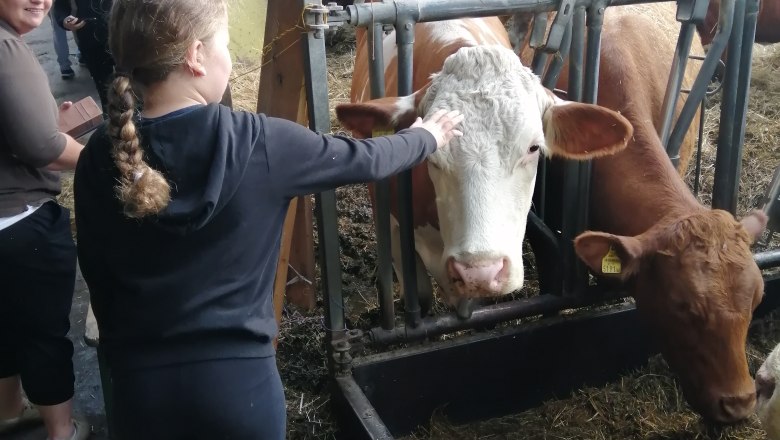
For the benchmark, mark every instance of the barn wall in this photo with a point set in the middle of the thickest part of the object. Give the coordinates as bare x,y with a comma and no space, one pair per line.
247,26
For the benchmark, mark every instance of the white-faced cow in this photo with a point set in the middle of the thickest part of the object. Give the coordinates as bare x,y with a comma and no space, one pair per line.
689,268
471,199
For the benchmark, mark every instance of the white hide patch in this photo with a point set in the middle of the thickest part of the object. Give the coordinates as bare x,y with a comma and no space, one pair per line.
768,407
405,105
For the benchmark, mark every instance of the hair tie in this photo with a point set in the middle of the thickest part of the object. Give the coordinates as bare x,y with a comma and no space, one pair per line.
137,174
127,73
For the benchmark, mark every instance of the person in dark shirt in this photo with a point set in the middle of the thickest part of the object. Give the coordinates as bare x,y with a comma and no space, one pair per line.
179,213
37,253
89,24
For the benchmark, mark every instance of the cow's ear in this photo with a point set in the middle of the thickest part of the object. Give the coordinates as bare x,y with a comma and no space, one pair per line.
610,255
365,119
583,131
755,223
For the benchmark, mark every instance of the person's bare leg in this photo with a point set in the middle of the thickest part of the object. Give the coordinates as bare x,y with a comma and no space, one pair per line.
58,419
11,404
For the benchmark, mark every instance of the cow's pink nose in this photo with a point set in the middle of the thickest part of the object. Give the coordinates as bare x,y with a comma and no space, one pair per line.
479,277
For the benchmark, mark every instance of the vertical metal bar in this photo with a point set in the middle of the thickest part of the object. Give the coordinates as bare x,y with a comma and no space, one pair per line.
325,209
741,104
571,176
675,79
699,88
699,141
376,56
723,196
554,71
549,81
404,30
384,275
540,61
595,21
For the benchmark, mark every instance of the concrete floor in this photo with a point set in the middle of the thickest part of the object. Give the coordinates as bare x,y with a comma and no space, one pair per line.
88,400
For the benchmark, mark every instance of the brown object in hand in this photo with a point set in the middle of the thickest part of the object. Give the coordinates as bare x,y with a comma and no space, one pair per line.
81,118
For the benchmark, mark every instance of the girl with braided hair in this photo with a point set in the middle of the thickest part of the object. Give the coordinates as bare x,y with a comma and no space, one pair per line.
179,210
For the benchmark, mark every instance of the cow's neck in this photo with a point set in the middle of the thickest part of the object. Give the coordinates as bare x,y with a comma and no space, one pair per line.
638,188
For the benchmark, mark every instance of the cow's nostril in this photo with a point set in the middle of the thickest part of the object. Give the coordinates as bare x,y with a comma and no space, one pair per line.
483,273
736,408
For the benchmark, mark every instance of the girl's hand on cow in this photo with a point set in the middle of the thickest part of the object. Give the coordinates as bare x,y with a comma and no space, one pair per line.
442,125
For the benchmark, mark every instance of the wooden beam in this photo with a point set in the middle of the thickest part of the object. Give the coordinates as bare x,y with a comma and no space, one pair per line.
282,94
284,260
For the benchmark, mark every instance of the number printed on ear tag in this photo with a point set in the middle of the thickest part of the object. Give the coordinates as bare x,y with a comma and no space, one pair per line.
610,264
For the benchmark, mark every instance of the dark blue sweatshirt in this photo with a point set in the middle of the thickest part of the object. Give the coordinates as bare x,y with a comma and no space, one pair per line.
195,282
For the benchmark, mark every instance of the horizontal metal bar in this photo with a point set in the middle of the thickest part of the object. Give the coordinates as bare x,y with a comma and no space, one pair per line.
389,11
485,316
361,409
768,259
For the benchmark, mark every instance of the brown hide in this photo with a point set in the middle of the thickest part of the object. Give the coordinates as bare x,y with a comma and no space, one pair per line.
652,67
689,268
767,25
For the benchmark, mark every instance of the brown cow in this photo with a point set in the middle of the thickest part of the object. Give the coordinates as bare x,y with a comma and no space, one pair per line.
689,268
767,25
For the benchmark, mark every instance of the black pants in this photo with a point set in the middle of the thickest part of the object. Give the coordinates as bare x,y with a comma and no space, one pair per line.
37,276
92,41
237,399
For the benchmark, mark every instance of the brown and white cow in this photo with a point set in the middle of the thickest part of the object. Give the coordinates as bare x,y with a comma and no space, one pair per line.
767,24
689,268
471,199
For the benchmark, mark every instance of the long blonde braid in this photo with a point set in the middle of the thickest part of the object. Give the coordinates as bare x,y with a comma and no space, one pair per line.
142,189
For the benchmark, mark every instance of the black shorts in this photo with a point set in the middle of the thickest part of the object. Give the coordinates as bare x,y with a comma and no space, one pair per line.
237,399
37,277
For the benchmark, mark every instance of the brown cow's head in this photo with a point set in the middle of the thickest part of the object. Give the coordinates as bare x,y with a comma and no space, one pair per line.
696,286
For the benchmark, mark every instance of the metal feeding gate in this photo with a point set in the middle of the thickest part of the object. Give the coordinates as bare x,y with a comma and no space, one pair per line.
496,372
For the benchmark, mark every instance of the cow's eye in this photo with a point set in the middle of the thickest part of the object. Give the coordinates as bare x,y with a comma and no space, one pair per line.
533,149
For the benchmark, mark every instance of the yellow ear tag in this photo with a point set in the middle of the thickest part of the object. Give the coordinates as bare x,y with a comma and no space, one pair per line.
377,132
611,262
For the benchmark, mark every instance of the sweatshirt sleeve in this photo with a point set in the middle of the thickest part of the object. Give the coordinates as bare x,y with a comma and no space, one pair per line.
303,162
27,107
60,11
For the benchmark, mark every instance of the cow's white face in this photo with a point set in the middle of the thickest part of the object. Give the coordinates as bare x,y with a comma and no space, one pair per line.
484,180
767,394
